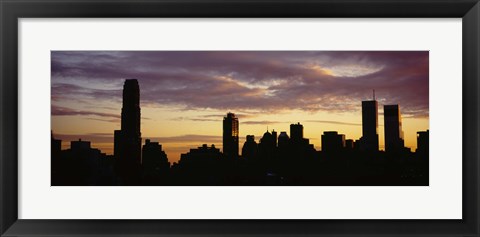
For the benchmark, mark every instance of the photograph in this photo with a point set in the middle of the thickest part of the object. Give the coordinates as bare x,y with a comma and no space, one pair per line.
239,118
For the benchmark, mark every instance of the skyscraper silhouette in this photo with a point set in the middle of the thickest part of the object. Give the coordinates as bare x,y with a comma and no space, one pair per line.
296,132
369,140
266,147
275,137
128,141
296,137
230,136
131,109
393,128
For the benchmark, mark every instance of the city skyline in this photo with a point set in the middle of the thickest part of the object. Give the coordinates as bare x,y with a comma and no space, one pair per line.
274,160
194,125
296,132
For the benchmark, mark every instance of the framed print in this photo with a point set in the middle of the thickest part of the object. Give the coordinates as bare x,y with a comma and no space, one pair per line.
239,118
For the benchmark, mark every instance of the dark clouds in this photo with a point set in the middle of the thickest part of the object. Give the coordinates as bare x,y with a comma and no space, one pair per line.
93,137
333,122
99,116
248,81
62,111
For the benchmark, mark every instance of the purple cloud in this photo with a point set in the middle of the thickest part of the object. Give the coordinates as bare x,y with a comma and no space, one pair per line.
62,111
93,137
260,81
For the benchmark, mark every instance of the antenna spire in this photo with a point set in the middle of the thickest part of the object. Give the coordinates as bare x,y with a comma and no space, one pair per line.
374,94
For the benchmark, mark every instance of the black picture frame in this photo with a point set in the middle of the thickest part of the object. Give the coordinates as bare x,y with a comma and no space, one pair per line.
11,11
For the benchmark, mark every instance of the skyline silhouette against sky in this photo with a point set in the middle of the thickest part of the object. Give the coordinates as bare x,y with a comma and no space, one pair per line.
185,94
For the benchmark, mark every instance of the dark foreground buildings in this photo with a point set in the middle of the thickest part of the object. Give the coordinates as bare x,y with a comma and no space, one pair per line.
423,142
250,147
80,165
332,142
276,159
155,165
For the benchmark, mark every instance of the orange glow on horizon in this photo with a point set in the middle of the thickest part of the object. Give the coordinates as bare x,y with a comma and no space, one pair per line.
178,137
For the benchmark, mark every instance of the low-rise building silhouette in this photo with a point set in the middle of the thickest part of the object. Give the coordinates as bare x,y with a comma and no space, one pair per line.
423,142
349,144
333,142
250,148
202,153
155,165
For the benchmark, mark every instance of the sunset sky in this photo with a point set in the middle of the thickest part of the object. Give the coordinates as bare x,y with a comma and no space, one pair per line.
185,94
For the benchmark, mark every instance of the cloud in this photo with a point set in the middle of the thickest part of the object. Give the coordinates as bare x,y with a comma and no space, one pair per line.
104,117
255,81
64,90
189,138
92,137
212,117
62,111
197,119
264,122
333,122
106,120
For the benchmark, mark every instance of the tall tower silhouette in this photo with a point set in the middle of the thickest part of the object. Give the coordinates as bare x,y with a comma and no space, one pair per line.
131,108
128,141
369,140
230,136
393,128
